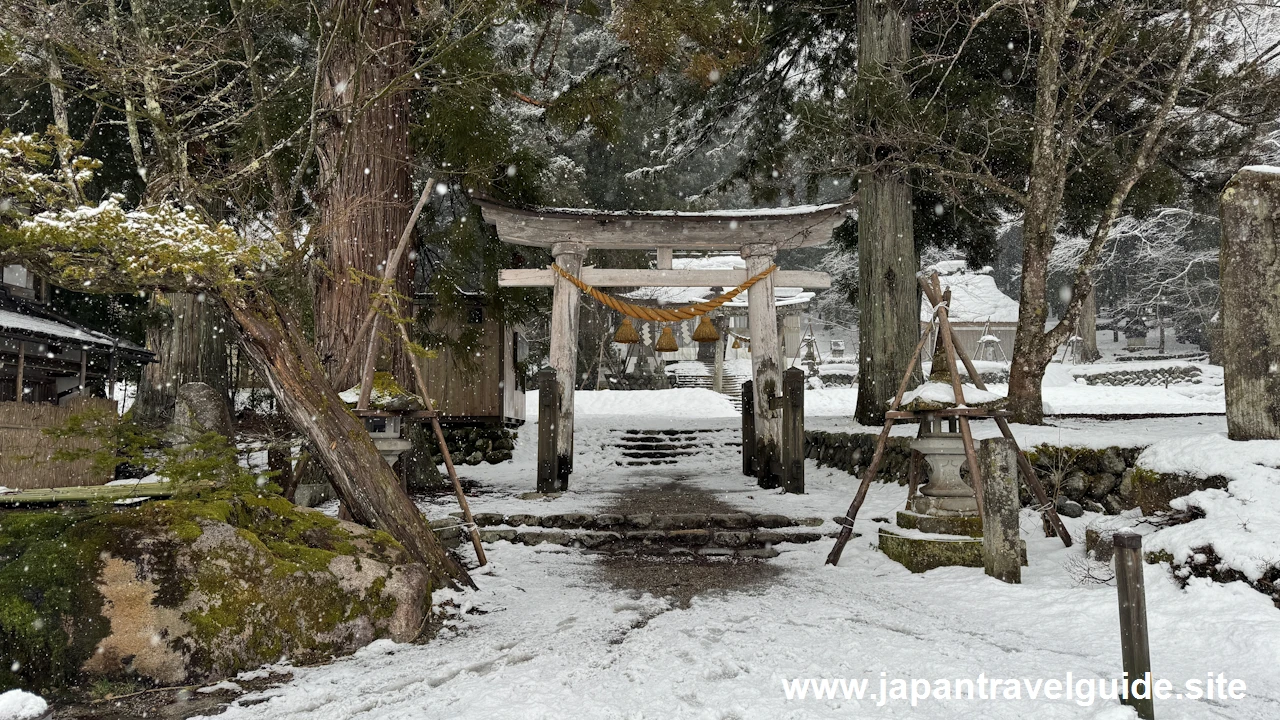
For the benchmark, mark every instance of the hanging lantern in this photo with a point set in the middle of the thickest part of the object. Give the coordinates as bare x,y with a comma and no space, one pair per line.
626,334
736,343
705,332
666,342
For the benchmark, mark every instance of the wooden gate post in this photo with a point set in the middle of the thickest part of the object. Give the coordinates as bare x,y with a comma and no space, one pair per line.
748,429
1001,544
793,430
564,348
766,364
548,427
1135,651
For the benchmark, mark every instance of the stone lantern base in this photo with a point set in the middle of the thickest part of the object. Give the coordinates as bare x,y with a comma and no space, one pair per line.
924,542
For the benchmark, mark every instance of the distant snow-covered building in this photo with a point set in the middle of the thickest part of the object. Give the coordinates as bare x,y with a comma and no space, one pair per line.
978,309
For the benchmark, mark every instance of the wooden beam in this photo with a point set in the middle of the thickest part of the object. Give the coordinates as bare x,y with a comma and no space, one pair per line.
724,230
602,277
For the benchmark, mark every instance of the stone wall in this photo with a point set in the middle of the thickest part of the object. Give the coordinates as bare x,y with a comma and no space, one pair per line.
477,444
1078,479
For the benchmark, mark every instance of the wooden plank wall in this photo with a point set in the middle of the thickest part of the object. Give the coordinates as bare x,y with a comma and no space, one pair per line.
462,389
26,452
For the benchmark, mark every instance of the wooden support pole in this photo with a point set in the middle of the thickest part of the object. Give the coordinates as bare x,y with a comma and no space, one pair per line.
564,350
766,365
548,421
1134,647
421,380
1001,542
748,429
84,369
1028,473
851,515
966,434
793,430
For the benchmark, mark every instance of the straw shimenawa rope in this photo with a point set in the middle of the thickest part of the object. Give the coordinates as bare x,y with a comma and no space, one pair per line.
652,314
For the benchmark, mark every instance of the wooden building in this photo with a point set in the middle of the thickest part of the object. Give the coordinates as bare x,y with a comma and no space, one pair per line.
45,358
978,309
51,368
483,384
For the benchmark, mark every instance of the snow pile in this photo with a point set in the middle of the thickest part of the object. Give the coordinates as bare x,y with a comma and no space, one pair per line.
1242,522
21,705
936,393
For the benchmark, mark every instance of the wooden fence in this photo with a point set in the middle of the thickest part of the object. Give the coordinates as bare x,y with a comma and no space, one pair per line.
26,452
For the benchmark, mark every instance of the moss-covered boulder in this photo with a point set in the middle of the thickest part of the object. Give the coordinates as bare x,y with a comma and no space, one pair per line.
194,589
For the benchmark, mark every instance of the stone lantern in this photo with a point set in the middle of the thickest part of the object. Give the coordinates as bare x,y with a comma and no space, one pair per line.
386,430
945,494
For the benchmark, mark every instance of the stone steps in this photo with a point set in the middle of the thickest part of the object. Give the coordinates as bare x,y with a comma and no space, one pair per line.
666,447
745,534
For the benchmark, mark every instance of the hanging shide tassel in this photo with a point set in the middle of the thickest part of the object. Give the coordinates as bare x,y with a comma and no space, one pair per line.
705,332
626,334
666,342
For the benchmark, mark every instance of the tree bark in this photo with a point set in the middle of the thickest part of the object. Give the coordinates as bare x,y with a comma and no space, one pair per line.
888,298
364,201
1087,329
190,346
366,484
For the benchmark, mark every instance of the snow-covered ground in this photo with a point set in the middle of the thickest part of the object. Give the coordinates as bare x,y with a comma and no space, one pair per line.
546,636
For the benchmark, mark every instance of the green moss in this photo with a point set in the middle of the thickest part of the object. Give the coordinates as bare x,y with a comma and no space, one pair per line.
269,596
1143,475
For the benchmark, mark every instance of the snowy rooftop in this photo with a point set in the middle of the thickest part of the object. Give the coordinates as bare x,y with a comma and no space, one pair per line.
52,329
974,296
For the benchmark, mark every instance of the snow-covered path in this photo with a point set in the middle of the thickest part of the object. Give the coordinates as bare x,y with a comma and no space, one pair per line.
547,637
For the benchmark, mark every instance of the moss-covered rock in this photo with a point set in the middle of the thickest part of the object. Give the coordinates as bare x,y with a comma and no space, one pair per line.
193,589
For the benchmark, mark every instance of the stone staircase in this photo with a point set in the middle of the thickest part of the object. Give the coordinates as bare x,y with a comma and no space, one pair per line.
666,447
732,384
740,534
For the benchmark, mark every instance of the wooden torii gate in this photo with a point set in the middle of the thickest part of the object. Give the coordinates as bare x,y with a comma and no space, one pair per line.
757,234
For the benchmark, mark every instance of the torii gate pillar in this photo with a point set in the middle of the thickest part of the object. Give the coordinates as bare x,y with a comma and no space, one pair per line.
766,365
564,348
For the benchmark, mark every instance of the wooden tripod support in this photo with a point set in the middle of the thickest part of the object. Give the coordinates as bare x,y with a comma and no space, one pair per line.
933,293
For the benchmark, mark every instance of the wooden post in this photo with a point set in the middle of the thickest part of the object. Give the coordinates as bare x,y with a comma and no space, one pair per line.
1134,648
717,376
664,258
548,422
793,430
766,365
1001,544
564,351
748,429
22,361
84,369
